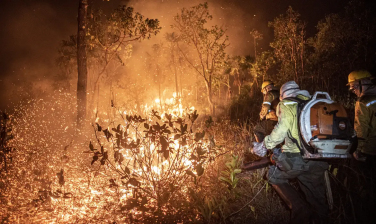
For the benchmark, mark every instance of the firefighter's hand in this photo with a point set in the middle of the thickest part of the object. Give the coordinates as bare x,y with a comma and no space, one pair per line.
262,116
359,156
259,149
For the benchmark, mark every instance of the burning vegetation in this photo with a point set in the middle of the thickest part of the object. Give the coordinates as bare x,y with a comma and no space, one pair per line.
167,129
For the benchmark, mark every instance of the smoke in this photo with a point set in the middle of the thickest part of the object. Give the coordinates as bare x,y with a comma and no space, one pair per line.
33,30
232,16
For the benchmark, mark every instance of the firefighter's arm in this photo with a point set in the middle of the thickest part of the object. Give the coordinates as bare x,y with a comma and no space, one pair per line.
280,130
264,110
266,105
361,124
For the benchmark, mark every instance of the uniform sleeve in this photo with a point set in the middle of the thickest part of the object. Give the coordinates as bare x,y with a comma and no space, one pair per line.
280,130
361,123
266,104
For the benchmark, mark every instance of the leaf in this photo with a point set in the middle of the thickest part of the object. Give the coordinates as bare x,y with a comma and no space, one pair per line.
112,183
95,158
226,180
99,127
184,129
126,169
108,134
133,182
199,169
190,173
104,158
193,157
199,136
177,136
183,141
146,126
91,146
193,116
200,151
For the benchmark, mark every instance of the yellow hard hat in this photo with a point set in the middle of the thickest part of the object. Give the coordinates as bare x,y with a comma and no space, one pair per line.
266,83
358,75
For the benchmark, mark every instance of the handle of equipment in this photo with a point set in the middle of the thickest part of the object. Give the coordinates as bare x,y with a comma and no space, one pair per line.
321,93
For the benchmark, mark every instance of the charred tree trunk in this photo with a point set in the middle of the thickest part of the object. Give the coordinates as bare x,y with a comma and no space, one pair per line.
81,63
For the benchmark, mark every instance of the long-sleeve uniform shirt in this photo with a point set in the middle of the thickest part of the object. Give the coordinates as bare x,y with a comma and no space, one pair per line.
287,129
365,124
270,102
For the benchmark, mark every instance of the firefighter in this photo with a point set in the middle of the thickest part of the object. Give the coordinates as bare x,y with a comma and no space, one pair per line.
291,165
362,84
267,114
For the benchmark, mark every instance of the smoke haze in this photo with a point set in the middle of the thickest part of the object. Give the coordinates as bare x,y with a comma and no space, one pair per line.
32,32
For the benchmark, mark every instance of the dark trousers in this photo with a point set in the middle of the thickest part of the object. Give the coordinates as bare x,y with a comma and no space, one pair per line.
363,189
310,175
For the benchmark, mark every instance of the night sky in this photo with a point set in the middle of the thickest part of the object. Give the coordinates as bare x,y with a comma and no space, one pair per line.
32,30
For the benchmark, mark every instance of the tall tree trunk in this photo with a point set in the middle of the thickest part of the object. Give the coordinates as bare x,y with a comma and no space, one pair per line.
210,95
176,78
81,63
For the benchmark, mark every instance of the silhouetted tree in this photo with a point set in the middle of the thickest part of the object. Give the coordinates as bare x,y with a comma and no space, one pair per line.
81,62
208,45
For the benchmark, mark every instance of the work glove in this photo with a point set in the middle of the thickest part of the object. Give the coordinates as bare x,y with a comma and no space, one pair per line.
263,113
259,149
359,156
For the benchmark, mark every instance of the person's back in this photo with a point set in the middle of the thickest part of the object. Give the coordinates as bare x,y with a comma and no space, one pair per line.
287,111
268,117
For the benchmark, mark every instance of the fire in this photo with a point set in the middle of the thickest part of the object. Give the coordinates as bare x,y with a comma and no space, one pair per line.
156,155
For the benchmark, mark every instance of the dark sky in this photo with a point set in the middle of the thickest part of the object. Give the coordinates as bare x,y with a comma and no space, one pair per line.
31,31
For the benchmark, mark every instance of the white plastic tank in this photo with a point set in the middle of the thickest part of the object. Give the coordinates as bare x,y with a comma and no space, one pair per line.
325,129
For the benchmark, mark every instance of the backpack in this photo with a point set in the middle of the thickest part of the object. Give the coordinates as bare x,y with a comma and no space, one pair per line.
325,130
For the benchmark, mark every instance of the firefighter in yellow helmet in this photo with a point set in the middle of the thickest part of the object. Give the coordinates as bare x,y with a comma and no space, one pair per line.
361,84
268,108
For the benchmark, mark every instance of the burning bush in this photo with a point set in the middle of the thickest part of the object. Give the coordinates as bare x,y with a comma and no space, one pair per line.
164,168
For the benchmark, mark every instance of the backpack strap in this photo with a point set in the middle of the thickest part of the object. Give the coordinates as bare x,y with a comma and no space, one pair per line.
301,104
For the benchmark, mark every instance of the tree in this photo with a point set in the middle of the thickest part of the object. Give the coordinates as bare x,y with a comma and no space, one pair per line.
81,63
109,39
208,45
238,67
344,42
256,36
173,39
289,44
